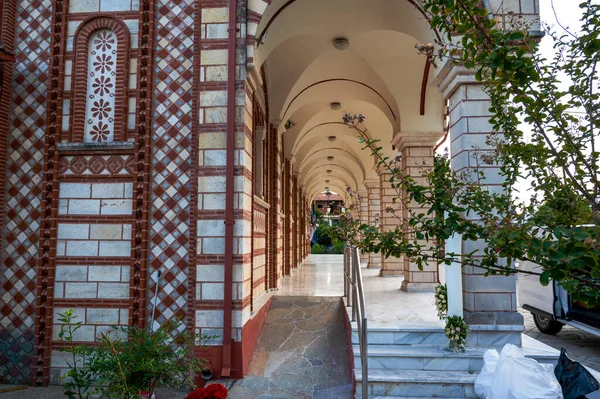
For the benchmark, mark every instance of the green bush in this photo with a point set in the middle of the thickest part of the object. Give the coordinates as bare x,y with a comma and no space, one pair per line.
317,249
323,236
127,360
338,247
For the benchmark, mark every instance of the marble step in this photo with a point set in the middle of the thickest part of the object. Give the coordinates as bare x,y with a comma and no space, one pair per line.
423,357
418,383
403,336
408,397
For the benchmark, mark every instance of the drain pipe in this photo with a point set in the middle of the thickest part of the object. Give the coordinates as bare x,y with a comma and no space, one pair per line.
229,214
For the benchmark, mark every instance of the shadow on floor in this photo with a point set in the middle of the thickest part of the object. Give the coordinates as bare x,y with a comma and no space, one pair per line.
302,352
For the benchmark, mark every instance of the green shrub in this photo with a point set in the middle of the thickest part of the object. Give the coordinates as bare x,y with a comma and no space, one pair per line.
338,247
130,360
317,249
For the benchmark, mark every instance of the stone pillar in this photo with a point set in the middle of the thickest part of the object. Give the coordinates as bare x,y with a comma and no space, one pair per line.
296,234
287,222
489,301
362,204
275,226
417,149
374,210
389,266
259,136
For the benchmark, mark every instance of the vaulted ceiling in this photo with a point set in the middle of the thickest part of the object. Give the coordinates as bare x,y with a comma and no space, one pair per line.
380,74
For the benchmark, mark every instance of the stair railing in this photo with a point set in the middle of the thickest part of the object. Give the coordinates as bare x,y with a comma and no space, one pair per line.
355,297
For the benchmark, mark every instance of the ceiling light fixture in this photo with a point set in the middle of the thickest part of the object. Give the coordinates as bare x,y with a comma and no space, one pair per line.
332,138
328,171
341,43
326,181
330,158
335,105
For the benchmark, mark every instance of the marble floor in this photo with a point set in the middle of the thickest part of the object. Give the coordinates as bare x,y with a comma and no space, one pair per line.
387,305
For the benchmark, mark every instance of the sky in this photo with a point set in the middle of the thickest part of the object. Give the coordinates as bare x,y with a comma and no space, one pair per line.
568,15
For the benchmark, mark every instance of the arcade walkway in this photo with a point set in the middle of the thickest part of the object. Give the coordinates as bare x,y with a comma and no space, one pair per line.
387,305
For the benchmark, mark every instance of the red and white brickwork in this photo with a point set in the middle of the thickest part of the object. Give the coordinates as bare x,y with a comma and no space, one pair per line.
116,169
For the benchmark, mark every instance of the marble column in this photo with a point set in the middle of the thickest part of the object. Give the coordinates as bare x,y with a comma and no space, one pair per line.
489,303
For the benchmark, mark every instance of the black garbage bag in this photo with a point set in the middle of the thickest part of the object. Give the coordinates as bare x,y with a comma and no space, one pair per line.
575,380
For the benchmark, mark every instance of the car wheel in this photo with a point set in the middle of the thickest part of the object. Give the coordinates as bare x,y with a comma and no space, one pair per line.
547,325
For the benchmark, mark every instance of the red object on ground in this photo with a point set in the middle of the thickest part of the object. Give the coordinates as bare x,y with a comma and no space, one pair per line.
214,391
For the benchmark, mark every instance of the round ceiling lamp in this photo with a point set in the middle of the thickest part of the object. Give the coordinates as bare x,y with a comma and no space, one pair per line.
335,105
332,138
341,43
330,158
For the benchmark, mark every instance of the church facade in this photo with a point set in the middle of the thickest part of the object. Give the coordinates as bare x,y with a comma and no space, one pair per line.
165,153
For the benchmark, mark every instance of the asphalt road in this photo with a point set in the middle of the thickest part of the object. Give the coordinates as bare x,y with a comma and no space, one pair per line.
580,346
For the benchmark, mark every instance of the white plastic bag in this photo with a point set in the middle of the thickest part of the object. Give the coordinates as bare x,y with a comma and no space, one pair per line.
484,379
517,377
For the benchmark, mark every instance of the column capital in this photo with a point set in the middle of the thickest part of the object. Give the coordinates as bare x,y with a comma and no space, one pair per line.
371,183
259,133
416,139
451,76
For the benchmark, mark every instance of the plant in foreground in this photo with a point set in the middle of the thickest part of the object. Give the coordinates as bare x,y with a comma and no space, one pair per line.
129,362
213,391
441,301
456,331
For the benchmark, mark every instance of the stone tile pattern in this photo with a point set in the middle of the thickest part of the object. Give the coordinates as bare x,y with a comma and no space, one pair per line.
20,236
171,158
301,353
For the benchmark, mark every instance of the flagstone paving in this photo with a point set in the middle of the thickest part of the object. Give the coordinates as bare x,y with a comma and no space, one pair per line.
302,353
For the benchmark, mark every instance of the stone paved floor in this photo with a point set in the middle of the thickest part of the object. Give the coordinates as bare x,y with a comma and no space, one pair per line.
580,346
301,353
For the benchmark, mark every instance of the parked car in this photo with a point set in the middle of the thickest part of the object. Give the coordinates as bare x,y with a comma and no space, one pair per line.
552,307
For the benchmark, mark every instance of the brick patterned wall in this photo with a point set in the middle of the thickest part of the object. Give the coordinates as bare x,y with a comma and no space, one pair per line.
212,139
170,213
20,235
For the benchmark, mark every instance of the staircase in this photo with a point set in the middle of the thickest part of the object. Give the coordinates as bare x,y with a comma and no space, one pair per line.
411,362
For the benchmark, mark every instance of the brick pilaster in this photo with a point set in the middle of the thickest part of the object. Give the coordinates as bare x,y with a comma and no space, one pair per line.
373,213
417,149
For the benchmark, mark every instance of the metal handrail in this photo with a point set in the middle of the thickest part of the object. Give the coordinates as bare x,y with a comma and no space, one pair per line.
355,297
